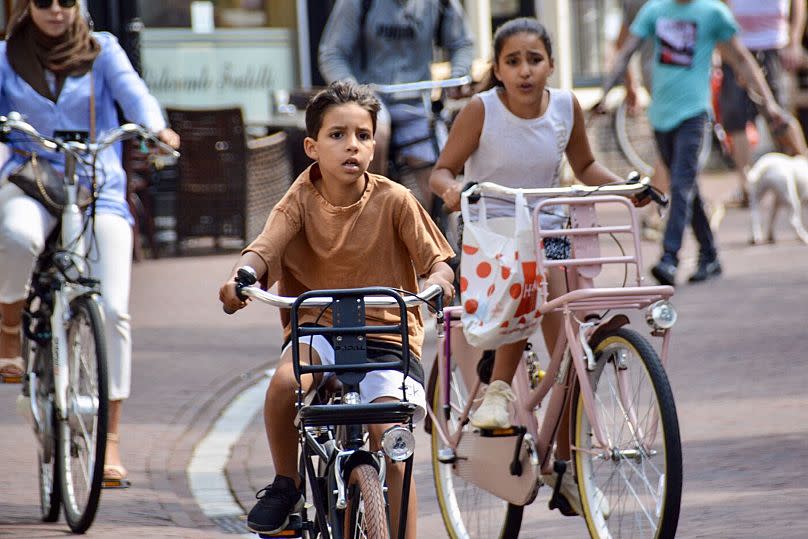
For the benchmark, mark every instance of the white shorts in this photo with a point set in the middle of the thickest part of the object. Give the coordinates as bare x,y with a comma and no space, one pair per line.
381,383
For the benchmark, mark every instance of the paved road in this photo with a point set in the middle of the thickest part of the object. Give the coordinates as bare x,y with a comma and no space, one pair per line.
738,372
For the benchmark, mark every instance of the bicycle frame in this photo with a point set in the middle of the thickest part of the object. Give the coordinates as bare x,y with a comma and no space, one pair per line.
572,350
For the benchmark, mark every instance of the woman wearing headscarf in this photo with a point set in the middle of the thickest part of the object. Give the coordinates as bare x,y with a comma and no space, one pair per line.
52,67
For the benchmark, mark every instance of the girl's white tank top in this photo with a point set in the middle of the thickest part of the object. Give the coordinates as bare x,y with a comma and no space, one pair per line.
518,152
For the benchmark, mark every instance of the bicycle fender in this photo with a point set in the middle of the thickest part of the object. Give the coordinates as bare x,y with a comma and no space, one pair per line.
355,459
615,322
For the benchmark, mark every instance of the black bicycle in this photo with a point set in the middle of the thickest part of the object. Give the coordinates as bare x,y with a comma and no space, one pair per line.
346,479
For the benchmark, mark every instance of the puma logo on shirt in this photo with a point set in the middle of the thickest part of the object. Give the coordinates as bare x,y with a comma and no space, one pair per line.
398,32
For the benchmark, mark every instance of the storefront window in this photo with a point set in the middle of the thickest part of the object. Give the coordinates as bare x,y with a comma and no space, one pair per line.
227,13
597,23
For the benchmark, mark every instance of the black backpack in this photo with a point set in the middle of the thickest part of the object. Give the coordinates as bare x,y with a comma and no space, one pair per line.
363,49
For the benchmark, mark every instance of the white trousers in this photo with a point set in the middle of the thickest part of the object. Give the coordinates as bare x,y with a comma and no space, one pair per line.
24,227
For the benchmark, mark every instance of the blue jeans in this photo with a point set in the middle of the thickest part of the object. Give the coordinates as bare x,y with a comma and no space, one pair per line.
679,149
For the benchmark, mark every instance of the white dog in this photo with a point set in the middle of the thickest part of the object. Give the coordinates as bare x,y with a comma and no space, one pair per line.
787,178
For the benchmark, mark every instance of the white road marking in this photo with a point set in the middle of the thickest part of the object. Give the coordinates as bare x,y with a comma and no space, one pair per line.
206,471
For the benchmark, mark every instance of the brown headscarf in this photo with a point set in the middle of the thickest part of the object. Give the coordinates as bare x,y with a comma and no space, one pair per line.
30,52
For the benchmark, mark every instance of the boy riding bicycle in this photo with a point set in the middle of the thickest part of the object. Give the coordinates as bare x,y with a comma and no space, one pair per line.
340,227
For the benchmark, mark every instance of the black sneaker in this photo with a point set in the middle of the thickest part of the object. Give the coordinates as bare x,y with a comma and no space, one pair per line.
705,271
665,273
275,503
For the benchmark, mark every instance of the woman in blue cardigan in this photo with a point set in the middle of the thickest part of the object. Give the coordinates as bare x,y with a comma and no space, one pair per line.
47,66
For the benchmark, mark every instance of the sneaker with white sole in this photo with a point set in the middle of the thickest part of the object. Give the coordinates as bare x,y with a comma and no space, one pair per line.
493,413
569,491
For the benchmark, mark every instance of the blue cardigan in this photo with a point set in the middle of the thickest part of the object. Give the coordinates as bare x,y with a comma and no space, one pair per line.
115,82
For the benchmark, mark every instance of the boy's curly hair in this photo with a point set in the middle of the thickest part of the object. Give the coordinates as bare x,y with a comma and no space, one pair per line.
339,93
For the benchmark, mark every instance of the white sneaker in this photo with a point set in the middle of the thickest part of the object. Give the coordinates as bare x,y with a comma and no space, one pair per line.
569,490
493,413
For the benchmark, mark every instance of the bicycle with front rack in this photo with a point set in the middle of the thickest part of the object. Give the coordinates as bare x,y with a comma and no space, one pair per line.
346,479
624,432
64,392
418,100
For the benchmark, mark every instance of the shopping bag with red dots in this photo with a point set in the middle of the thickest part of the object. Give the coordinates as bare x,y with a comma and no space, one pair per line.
499,284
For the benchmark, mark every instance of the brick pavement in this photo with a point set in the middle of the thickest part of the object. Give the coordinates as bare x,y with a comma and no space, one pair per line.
735,370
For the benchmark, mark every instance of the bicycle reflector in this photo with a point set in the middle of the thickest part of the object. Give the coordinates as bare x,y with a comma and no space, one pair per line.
398,443
661,315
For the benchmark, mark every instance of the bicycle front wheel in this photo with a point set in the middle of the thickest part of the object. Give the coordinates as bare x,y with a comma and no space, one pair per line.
82,437
468,511
632,488
366,515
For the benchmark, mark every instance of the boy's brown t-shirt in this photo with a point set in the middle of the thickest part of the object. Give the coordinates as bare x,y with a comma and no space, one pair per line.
384,239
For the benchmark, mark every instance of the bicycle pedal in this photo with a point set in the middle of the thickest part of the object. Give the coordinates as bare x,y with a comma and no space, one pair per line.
293,529
115,483
502,433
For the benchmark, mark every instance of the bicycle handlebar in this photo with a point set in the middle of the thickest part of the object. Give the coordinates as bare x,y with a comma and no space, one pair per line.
639,187
14,122
245,288
420,86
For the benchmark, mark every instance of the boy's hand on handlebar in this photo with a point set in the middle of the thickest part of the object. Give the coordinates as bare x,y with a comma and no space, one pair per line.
170,137
446,286
230,300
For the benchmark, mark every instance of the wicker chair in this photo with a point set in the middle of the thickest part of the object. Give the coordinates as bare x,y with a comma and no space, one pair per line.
269,174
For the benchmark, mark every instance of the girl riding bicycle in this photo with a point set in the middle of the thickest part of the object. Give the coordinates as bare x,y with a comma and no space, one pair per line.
48,65
516,134
340,227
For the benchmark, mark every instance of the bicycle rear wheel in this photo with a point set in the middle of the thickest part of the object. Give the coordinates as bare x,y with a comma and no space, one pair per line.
467,510
82,437
632,488
39,389
366,515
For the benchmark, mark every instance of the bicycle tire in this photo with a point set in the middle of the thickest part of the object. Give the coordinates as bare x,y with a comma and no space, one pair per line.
366,514
81,454
462,504
636,140
638,506
39,388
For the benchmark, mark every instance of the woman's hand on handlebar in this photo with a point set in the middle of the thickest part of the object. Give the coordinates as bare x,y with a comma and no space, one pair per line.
170,137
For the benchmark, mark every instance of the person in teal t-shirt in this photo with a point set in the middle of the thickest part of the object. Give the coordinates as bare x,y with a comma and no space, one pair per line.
684,34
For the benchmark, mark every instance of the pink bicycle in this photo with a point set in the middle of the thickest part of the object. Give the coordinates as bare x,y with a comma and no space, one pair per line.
624,431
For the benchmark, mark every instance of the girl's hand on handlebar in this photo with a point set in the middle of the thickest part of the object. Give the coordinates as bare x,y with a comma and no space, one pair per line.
170,137
451,196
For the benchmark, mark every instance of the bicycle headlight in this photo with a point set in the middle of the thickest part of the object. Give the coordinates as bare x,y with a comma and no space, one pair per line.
398,443
661,315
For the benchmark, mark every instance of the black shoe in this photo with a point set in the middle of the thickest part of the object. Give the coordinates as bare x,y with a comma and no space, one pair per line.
275,503
705,271
665,273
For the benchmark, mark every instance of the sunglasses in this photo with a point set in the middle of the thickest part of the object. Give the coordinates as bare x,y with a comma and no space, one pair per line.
45,4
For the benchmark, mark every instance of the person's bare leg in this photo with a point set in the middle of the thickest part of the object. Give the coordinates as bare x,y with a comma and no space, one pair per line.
742,156
381,155
10,316
395,482
422,172
113,452
279,413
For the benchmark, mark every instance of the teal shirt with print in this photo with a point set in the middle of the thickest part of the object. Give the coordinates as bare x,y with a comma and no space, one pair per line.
684,34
